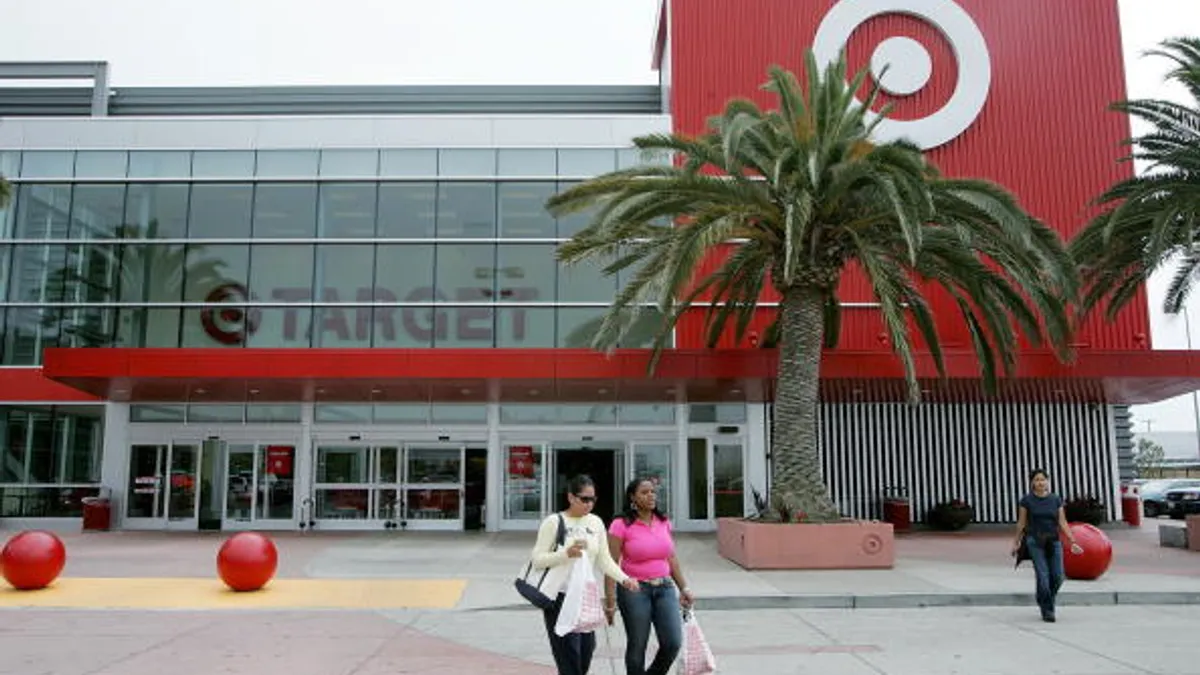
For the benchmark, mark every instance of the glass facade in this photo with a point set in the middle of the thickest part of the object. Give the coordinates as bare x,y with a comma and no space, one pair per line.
329,249
50,459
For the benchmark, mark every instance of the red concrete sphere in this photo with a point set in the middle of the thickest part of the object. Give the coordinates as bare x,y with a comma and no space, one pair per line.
33,560
1096,557
247,561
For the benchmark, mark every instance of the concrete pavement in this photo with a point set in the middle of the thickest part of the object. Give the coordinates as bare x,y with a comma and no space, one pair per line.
979,617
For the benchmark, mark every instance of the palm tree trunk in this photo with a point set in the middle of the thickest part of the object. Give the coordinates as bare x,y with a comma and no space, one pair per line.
797,485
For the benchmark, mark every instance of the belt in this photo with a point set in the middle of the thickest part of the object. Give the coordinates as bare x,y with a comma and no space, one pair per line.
657,581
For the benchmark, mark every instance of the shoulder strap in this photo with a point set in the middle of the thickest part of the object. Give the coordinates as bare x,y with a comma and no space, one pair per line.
561,537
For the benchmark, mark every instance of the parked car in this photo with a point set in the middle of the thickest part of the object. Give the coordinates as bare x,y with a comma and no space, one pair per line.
1183,501
1154,494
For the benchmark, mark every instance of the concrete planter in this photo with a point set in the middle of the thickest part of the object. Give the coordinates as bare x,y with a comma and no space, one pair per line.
806,546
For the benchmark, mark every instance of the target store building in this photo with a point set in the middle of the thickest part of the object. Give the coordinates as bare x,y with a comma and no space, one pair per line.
339,307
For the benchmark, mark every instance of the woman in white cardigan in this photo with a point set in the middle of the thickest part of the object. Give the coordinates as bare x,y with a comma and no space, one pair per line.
586,535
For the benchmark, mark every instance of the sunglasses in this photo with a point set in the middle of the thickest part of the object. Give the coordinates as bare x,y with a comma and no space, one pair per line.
586,500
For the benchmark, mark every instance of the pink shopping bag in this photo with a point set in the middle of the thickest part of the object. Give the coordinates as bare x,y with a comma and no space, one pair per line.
697,657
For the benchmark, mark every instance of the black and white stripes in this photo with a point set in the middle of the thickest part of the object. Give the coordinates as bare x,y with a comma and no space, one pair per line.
979,452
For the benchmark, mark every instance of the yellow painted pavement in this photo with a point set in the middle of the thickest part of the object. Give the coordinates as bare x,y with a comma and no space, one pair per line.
193,593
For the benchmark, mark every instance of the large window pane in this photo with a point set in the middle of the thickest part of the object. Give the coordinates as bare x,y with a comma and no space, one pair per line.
523,327
525,273
523,211
29,330
287,163
223,163
349,163
217,274
39,273
44,453
97,211
406,210
408,162
347,210
585,281
90,276
148,327
278,326
220,211
345,273
349,327
466,162
160,164
156,272
285,210
578,326
466,210
586,162
15,430
43,211
48,164
404,273
527,162
156,211
281,272
466,272
100,164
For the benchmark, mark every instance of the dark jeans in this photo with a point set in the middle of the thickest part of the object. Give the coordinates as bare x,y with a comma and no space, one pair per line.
657,606
1048,567
573,651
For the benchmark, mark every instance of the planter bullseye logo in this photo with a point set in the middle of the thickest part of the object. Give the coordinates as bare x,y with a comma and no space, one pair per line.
909,65
229,325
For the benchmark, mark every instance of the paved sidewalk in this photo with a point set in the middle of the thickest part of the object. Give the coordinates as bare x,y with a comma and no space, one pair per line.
979,615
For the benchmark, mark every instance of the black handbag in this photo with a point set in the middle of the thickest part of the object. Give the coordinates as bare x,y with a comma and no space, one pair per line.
531,589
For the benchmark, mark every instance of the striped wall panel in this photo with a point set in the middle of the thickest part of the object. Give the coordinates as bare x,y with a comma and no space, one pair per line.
979,452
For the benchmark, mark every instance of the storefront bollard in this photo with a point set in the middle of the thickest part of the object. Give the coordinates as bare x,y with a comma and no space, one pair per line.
32,560
247,561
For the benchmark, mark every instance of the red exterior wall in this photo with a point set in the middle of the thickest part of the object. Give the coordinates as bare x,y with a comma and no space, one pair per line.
1045,131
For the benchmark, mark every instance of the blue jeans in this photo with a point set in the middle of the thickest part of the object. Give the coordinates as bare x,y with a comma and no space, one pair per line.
1048,567
657,606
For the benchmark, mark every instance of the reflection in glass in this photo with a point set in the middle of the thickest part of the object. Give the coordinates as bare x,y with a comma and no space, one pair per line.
524,327
281,272
220,210
697,472
100,164
156,211
141,327
577,326
525,273
182,481
345,272
728,484
288,327
285,210
406,210
276,477
348,210
653,462
42,211
342,504
466,210
145,490
344,327
434,465
97,211
585,281
342,464
239,494
523,211
523,482
433,504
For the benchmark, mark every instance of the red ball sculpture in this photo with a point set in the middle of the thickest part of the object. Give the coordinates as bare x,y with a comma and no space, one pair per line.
1096,557
33,560
247,561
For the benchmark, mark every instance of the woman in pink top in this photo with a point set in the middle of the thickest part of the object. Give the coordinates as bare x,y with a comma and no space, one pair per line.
640,539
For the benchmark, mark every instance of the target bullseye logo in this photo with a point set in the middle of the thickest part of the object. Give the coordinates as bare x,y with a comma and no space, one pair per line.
909,65
229,325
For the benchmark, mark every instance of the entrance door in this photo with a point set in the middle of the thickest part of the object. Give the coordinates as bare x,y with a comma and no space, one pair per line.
259,486
604,463
716,478
164,486
362,486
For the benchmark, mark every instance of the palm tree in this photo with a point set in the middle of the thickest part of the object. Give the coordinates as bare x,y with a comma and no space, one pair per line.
1152,219
806,192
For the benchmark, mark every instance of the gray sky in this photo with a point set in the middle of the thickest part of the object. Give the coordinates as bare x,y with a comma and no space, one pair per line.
243,42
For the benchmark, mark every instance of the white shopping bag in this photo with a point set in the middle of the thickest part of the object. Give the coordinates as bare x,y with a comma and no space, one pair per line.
581,608
697,657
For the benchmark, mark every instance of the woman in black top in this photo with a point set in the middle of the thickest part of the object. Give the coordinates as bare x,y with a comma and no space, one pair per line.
1040,517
